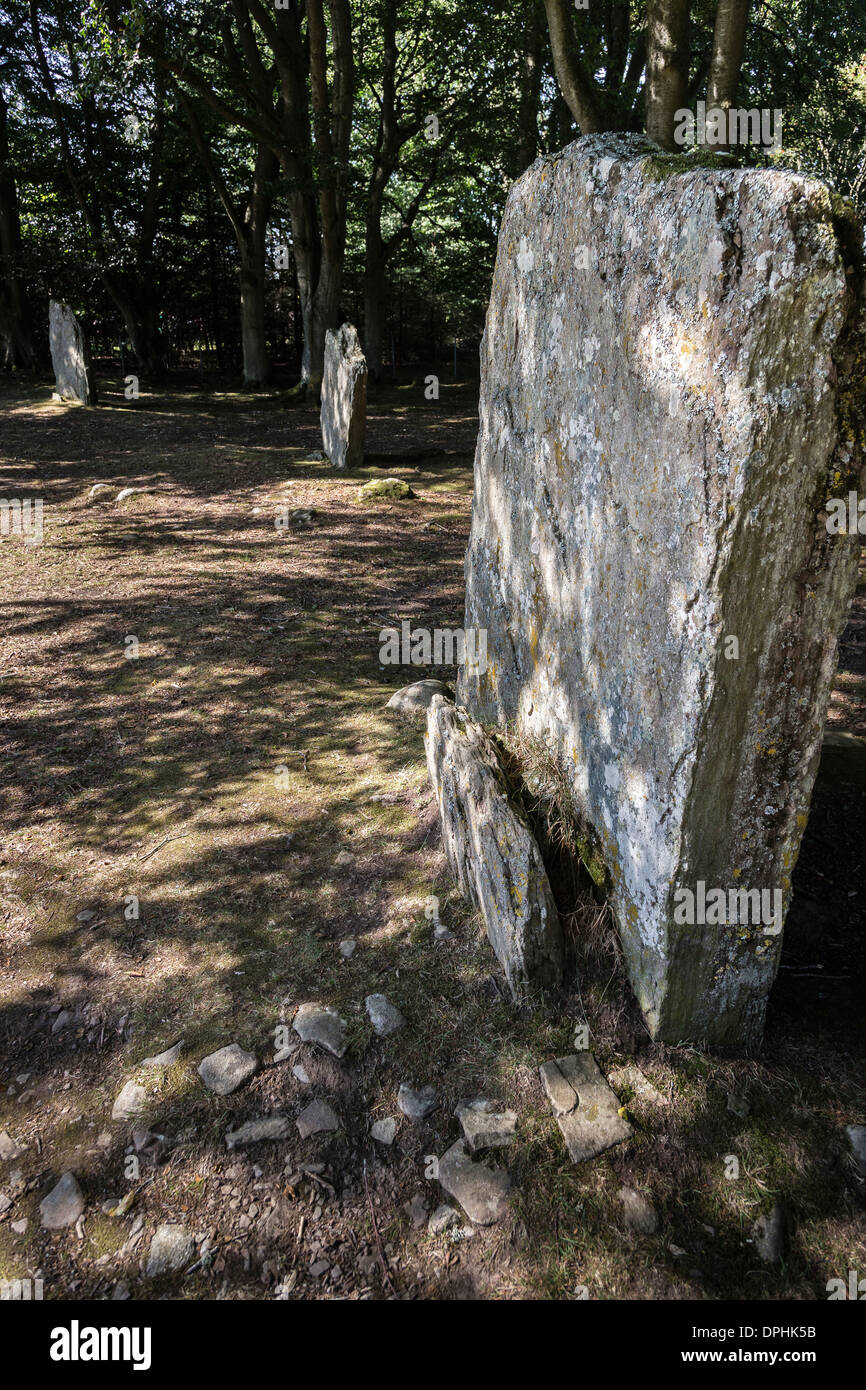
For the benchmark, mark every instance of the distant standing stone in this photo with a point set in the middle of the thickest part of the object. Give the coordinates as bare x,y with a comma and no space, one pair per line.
70,355
224,1071
384,1017
63,1205
171,1248
317,1023
344,398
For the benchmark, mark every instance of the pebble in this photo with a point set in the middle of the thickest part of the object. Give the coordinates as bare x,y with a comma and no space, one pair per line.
638,1213
171,1248
442,1218
131,1102
384,1130
9,1150
483,1127
348,947
165,1059
768,1233
268,1128
482,1191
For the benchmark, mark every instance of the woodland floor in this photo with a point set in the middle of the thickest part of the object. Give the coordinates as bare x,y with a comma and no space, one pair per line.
158,777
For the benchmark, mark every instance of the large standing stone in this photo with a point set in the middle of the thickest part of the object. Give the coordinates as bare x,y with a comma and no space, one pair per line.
491,850
344,398
70,355
659,435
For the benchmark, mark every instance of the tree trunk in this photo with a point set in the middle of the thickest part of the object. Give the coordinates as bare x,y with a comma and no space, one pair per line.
530,93
729,40
667,67
16,328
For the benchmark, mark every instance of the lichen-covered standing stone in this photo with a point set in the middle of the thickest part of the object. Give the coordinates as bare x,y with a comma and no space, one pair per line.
344,398
69,355
671,392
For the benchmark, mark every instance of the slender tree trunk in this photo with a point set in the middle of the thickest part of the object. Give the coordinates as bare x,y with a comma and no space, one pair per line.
729,41
16,327
530,92
667,67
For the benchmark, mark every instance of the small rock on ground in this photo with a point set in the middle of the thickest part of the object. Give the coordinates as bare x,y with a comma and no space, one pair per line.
417,1210
483,1127
317,1118
171,1248
416,1104
348,947
857,1139
443,1218
638,1213
383,1015
269,1127
63,1205
224,1071
9,1150
165,1059
481,1191
317,1023
384,1130
768,1234
131,1102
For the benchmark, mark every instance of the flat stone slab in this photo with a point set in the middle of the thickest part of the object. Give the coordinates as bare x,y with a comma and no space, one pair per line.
586,1109
661,433
484,1127
172,1247
344,398
63,1205
318,1023
224,1071
414,699
266,1129
317,1118
130,1103
491,849
416,1105
481,1191
633,1077
385,1017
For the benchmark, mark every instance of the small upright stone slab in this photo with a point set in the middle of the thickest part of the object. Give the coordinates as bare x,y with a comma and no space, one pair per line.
344,398
491,849
70,355
586,1109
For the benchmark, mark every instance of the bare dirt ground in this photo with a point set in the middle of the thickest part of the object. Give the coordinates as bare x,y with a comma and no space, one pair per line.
192,824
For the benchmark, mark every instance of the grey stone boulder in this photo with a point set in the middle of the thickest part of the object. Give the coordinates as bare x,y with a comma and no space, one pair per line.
227,1069
344,398
414,700
482,1191
660,436
267,1129
70,356
172,1247
585,1108
416,1105
63,1205
317,1023
385,1017
491,849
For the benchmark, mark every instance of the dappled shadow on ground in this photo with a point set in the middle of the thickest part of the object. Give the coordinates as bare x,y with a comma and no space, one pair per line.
188,834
